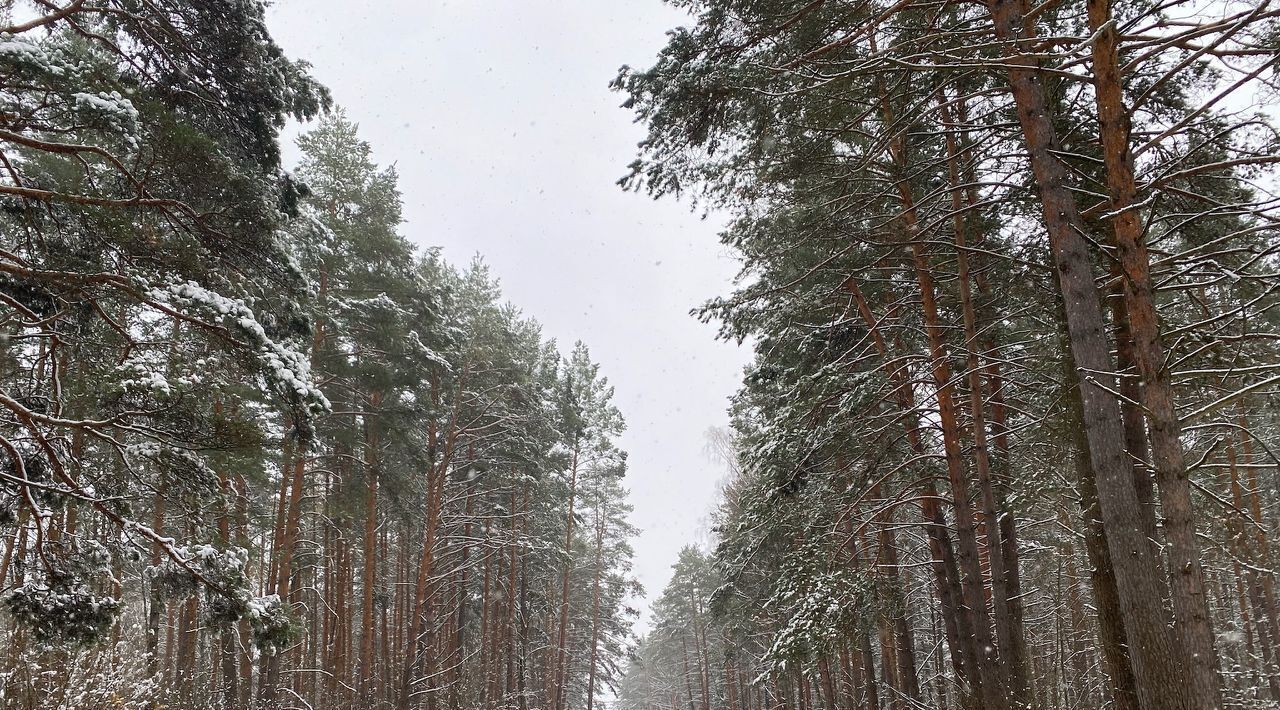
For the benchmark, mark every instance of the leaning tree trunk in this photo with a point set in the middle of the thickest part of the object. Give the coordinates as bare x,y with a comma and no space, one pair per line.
992,692
1106,596
992,671
1193,627
999,522
1157,662
956,626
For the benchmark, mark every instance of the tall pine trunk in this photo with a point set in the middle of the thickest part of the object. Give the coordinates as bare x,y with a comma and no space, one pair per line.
1193,626
999,524
1157,662
561,659
369,581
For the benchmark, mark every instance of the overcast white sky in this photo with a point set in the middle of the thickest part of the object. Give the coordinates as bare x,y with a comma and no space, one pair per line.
508,143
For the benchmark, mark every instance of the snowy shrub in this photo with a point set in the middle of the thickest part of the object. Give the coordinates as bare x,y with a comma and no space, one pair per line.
107,678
